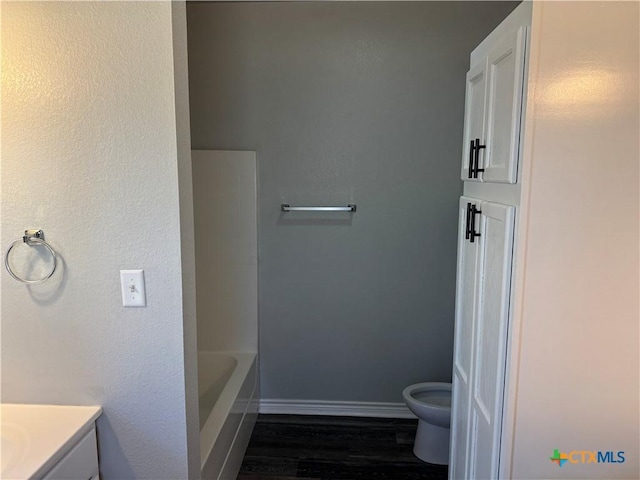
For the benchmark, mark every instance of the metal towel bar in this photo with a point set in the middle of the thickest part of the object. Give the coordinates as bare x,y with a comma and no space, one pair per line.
285,207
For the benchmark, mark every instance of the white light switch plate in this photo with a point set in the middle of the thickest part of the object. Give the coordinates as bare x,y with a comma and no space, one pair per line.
132,285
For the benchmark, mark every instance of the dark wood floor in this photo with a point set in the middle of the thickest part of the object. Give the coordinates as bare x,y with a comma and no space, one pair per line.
287,447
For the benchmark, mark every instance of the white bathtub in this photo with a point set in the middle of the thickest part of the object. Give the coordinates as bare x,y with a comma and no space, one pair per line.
228,398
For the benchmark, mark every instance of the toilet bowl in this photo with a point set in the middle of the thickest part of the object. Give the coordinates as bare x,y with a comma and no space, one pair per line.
431,403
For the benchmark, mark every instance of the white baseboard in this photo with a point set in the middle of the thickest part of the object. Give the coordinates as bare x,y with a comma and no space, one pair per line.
346,409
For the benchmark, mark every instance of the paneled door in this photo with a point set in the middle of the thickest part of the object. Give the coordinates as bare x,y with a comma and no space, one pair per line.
485,247
493,110
505,76
463,339
491,321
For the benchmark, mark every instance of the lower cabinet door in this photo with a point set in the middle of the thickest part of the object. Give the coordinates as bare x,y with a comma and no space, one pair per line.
463,339
81,463
485,250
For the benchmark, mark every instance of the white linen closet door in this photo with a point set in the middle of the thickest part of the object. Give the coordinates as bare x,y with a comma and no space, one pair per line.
463,351
493,286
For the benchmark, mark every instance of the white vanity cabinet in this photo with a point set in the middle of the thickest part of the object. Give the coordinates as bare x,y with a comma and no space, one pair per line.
49,442
493,106
80,462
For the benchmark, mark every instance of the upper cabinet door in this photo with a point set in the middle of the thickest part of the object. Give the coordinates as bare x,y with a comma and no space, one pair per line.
493,107
474,117
505,74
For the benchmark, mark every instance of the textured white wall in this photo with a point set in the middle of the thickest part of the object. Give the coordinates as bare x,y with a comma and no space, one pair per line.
90,155
578,386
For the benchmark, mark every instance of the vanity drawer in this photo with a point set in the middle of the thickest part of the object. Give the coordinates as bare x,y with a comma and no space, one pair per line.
81,463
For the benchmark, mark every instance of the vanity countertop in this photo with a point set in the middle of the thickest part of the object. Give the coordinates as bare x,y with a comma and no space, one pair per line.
36,437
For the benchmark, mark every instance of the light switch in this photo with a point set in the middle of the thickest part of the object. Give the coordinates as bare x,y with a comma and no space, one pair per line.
132,285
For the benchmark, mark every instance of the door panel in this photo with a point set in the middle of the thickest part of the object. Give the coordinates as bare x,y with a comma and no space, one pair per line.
463,351
459,428
465,293
474,113
505,73
493,283
481,459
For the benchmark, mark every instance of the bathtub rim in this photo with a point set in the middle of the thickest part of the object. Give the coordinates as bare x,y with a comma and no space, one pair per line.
215,420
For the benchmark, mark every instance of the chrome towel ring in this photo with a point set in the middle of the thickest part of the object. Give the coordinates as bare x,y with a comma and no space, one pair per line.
31,237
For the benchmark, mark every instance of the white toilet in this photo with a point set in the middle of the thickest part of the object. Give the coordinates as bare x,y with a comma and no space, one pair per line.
431,403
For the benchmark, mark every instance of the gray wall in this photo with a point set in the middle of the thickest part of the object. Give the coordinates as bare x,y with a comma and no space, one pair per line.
345,102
